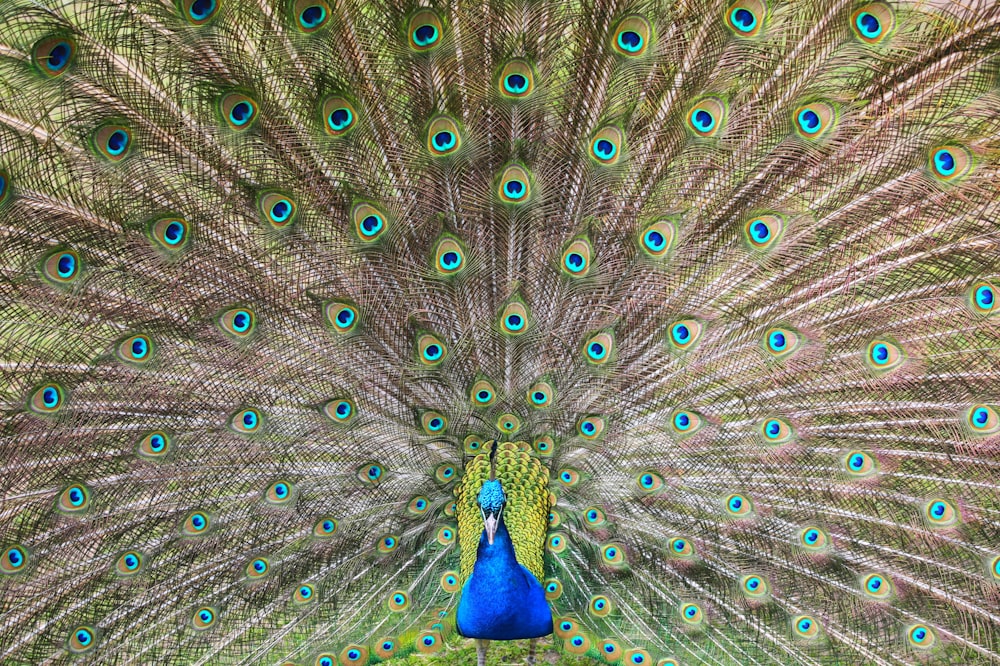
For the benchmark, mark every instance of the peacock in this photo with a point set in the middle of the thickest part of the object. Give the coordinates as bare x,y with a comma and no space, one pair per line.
637,332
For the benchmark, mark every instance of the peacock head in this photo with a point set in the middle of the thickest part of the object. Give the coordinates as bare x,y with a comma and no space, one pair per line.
491,502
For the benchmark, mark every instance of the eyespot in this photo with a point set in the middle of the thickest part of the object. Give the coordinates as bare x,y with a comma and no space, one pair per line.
610,650
668,662
776,431
746,17
429,642
860,464
258,568
685,333
371,473
738,506
204,617
637,657
941,513
598,348
590,427
418,506
53,55
540,395
600,606
657,239
340,410
780,342
113,142
553,589
983,419
353,654
82,639
556,543
920,636
433,423
199,12
445,473
813,539
649,482
4,186
483,394
387,543
304,594
706,117
446,535
341,316
196,523
564,627
47,399
613,555
514,318
762,231
385,648
74,499
310,15
326,659
449,257
278,209
430,350
398,601
576,258
170,233
238,111
686,423
60,267
137,349
339,116
884,355
754,586
544,446
369,222
691,613
555,520
13,560
994,567
876,586
631,36
983,298
681,547
279,492
813,120
451,509
424,31
577,643
508,423
129,564
516,80
325,527
568,478
449,582
443,137
238,322
594,517
805,626
514,185
949,162
606,145
473,444
872,23
246,421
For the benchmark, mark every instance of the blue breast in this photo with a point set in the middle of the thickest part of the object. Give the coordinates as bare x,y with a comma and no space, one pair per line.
502,600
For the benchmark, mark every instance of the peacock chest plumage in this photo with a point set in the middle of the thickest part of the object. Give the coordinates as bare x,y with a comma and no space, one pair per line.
337,332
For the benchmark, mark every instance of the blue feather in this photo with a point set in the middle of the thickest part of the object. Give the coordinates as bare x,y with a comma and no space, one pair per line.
502,600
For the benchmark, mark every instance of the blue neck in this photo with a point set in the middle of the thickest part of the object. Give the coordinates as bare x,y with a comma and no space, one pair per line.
502,600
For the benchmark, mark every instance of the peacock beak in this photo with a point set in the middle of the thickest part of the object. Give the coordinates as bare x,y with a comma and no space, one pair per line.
491,527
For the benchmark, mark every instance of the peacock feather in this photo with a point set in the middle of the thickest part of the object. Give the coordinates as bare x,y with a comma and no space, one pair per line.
337,332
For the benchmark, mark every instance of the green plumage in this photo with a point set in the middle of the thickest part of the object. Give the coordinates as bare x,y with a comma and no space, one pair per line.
273,273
